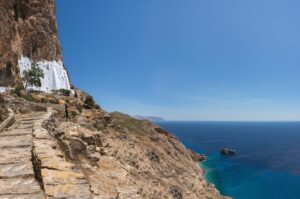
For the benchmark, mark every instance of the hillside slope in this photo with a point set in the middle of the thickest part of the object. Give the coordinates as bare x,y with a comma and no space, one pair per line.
94,154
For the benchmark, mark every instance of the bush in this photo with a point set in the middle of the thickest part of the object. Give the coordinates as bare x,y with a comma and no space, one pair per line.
97,106
30,98
53,91
89,102
79,108
17,90
74,113
53,101
65,92
44,100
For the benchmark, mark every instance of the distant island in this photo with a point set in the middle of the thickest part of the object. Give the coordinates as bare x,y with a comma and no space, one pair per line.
150,118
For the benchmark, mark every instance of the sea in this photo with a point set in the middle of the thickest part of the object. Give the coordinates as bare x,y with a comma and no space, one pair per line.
267,160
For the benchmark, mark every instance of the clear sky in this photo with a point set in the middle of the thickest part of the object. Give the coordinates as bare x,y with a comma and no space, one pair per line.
186,60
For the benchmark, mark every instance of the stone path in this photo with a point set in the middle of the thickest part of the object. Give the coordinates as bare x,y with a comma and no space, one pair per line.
32,167
61,179
17,177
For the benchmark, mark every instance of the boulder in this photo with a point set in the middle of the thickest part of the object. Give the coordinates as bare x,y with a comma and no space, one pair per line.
227,151
197,157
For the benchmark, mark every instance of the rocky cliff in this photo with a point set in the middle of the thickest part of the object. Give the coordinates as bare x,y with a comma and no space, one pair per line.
29,33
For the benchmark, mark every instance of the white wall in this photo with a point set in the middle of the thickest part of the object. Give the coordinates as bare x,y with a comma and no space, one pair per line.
55,75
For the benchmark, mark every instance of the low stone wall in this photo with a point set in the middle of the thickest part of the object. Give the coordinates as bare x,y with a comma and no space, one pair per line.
9,121
58,177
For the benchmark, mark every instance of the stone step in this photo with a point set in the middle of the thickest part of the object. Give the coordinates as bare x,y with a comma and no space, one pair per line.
23,141
22,196
16,132
14,170
17,177
15,155
19,186
22,126
61,178
24,146
30,118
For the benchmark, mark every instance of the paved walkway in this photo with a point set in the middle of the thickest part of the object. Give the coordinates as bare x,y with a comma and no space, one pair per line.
17,178
32,167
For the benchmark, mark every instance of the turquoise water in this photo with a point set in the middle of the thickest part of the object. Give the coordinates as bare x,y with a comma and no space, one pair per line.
267,163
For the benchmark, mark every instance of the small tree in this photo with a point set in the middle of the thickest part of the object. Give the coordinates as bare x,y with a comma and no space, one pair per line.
33,76
65,92
89,102
18,89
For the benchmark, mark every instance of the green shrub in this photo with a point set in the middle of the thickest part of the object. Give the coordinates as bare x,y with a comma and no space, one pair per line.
97,106
17,90
74,113
44,100
53,101
30,98
53,91
79,108
65,92
89,102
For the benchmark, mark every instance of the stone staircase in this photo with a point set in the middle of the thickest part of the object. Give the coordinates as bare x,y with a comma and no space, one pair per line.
17,177
31,165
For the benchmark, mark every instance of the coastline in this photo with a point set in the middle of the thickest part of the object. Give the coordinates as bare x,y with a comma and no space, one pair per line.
253,172
207,179
209,176
208,172
210,179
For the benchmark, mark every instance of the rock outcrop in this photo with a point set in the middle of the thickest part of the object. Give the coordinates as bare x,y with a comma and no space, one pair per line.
29,33
227,151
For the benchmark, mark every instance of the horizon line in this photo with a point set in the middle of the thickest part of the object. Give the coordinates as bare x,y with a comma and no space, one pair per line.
230,120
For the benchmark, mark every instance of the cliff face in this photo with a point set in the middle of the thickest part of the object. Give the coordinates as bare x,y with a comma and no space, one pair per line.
27,28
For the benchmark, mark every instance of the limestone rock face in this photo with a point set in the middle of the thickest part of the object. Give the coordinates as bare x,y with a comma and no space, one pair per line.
27,28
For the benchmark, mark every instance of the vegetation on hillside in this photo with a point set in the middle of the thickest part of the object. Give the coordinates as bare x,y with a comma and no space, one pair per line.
3,110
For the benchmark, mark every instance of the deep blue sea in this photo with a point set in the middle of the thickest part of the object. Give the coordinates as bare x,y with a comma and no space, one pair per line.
267,163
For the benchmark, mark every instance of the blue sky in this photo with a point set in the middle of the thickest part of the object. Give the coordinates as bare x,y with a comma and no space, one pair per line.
186,60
